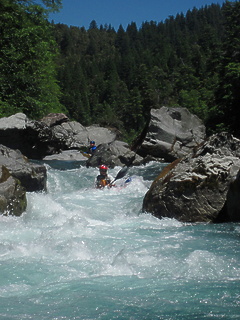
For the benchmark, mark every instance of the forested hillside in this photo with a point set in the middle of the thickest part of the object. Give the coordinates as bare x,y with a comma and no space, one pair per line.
114,77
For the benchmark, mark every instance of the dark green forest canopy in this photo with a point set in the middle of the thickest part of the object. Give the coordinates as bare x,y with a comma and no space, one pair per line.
114,77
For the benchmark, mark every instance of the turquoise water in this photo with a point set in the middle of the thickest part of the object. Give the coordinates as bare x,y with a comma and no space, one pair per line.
81,253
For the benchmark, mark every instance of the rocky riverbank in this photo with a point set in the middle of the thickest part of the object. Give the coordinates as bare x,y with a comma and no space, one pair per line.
201,183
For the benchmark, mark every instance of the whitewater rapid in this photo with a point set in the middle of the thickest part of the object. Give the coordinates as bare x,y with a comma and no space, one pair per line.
82,253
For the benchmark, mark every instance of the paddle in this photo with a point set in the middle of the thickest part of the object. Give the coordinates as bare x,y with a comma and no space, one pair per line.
124,169
87,155
120,174
84,152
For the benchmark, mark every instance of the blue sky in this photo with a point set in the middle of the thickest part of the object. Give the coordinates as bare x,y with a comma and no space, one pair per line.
115,12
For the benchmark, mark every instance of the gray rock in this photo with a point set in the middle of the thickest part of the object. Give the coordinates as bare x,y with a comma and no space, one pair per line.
116,153
32,176
53,119
51,135
13,199
12,130
30,137
75,136
100,135
66,155
203,187
16,121
172,133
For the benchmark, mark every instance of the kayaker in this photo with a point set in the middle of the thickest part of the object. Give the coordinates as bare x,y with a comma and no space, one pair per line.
103,179
92,148
89,151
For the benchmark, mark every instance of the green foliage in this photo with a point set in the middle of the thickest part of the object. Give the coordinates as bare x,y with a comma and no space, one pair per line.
27,61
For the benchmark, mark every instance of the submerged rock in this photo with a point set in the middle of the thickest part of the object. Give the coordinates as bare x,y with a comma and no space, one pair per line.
200,188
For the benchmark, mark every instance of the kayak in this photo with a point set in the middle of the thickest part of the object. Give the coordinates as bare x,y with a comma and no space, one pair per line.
119,184
124,184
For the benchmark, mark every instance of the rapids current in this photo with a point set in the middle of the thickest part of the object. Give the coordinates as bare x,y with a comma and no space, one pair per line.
82,253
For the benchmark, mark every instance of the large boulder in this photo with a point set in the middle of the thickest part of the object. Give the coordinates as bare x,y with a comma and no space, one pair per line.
172,133
204,187
33,177
12,130
76,136
13,199
100,135
116,153
51,135
53,119
30,137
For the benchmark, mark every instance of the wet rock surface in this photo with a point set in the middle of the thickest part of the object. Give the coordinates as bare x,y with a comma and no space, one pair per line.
203,187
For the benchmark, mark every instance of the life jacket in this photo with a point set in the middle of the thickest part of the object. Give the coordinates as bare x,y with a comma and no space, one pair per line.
102,181
93,149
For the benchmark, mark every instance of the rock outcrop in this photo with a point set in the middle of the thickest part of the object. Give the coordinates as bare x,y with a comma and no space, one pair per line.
204,187
33,177
12,195
113,154
51,135
53,119
172,133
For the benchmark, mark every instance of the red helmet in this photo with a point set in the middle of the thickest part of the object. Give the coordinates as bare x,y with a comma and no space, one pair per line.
103,167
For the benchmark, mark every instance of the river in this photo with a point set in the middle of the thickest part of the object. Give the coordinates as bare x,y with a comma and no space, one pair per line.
82,253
